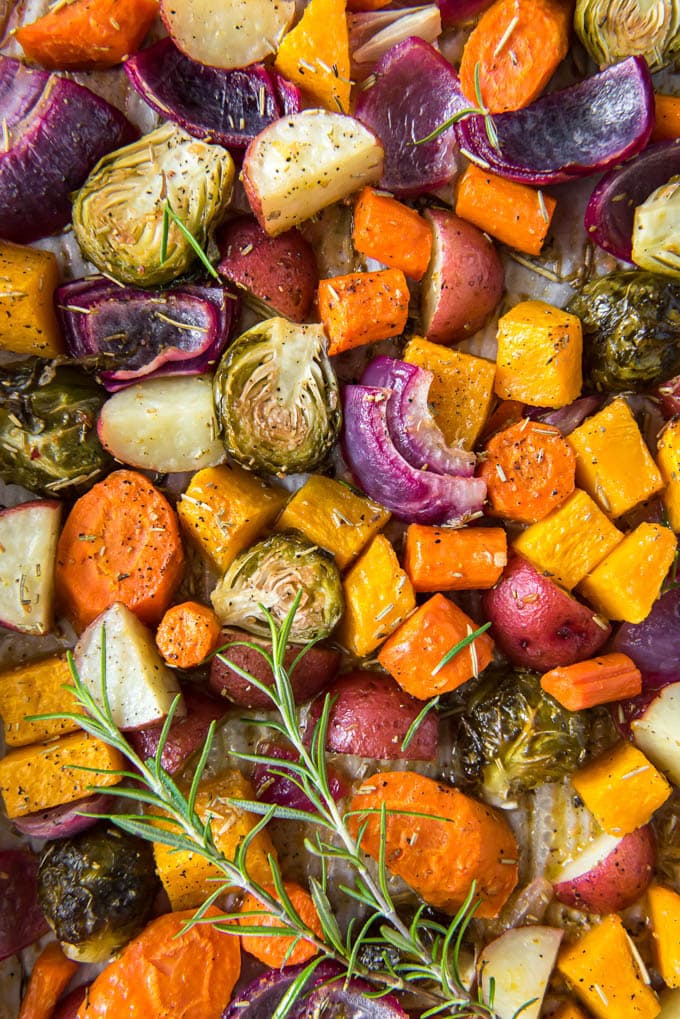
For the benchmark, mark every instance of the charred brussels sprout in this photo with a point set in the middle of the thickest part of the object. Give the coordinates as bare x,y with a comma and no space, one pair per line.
119,214
512,736
656,231
96,890
270,574
277,398
612,30
48,428
631,327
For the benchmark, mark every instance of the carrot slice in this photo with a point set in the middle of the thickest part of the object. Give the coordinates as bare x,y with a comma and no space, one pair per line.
461,559
51,973
87,33
515,214
390,232
275,951
120,543
187,634
514,51
600,680
363,307
666,118
529,471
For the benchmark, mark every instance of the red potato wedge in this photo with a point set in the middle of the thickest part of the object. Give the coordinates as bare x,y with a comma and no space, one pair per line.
656,731
279,271
538,625
609,874
187,735
514,970
312,674
28,548
306,162
464,281
227,33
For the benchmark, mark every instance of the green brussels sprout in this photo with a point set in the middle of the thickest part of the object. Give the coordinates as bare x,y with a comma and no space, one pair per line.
656,231
96,890
48,428
513,737
277,398
119,216
612,30
270,574
631,328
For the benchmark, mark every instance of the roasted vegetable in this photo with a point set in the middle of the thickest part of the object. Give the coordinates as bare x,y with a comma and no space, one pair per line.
270,574
48,424
612,31
277,398
631,327
513,737
96,891
119,215
656,231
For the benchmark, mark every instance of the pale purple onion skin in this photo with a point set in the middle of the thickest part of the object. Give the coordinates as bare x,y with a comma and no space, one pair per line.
578,131
654,644
65,820
411,425
412,495
21,920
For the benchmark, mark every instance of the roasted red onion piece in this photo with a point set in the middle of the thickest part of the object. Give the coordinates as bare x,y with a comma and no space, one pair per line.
566,418
187,735
63,821
277,785
56,131
21,921
669,397
654,644
454,12
577,131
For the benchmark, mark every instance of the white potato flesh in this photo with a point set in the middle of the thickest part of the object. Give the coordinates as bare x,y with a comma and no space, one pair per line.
28,548
139,685
304,163
165,425
227,33
519,963
657,731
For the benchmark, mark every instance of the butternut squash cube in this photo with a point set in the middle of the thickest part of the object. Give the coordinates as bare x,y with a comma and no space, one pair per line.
613,463
28,321
668,459
539,355
45,775
664,913
461,392
569,1010
621,788
334,517
225,509
378,597
603,972
33,689
315,55
628,581
188,877
570,541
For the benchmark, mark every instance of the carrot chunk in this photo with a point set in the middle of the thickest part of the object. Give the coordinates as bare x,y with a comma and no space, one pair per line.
596,681
390,232
51,973
363,307
275,951
460,559
666,118
515,214
187,634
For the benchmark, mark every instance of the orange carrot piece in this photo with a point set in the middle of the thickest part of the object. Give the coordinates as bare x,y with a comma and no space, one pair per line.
275,950
51,973
87,33
602,680
363,307
666,118
529,471
515,214
187,634
120,543
461,559
414,653
517,46
390,232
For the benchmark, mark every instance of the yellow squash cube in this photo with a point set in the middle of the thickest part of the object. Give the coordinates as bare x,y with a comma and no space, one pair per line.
621,788
664,914
668,459
461,392
36,688
333,517
539,355
378,597
626,584
225,509
613,463
28,321
315,55
570,541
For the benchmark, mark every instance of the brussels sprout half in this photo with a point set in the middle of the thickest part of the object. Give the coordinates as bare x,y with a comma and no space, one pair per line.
612,30
656,231
270,574
119,215
277,398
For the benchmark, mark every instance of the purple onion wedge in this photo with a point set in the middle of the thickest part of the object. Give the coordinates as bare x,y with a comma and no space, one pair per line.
182,331
566,418
654,644
610,211
56,131
416,496
455,12
415,91
411,425
21,920
572,133
228,107
63,821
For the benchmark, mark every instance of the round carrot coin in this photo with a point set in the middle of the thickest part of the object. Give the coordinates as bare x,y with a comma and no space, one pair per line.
273,951
187,634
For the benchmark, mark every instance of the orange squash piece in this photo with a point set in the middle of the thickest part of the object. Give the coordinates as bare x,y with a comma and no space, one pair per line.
664,914
315,55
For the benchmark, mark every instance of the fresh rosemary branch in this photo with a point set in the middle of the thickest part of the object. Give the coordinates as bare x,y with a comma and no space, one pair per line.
480,110
170,215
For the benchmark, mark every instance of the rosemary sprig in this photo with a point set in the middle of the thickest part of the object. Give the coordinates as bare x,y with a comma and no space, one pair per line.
480,110
169,215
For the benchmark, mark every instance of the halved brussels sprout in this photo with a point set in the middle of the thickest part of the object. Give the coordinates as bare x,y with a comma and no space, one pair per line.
656,231
612,30
118,214
277,398
270,574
